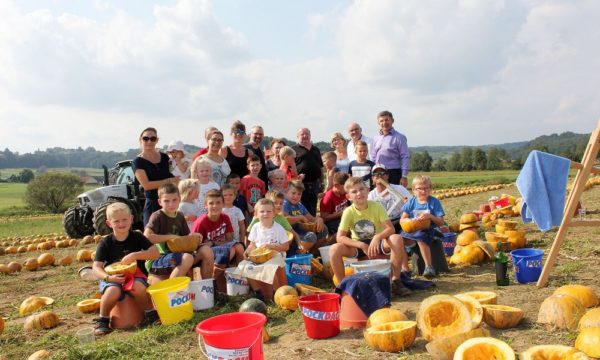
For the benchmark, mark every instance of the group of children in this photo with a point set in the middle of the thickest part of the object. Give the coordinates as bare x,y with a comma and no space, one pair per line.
356,216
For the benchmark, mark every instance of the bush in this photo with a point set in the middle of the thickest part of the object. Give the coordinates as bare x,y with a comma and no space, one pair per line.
52,191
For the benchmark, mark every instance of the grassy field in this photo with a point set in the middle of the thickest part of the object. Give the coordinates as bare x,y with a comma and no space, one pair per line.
6,173
12,202
577,262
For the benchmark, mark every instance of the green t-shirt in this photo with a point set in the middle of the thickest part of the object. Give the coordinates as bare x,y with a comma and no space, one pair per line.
364,224
280,219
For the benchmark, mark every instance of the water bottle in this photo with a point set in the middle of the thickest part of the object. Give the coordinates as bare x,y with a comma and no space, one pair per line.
501,267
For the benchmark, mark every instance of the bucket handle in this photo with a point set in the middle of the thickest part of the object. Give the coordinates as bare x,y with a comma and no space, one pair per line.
516,264
202,344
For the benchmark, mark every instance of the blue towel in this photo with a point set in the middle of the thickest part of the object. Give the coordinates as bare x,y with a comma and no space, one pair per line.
542,183
370,290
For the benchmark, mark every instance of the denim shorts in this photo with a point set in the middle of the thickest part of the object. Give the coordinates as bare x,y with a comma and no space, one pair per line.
165,263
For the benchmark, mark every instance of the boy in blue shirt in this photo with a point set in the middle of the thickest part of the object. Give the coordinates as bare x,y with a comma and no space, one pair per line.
423,206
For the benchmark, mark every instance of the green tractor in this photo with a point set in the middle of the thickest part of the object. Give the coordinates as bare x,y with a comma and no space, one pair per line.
89,215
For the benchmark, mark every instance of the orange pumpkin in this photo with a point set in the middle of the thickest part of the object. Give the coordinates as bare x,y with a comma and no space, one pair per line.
121,269
84,255
501,316
89,305
288,302
484,348
484,297
442,316
43,320
444,348
31,264
391,336
14,267
552,352
474,307
45,259
585,294
67,260
283,291
591,319
412,225
560,312
385,315
467,237
4,269
588,341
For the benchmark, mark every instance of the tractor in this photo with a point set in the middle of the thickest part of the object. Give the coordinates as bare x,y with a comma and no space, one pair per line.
89,215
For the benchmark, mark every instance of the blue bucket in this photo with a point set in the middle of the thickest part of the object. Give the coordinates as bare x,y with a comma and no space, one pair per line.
527,264
298,269
449,243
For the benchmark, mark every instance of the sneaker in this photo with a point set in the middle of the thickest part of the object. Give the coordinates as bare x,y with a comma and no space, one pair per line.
429,272
399,289
102,326
150,318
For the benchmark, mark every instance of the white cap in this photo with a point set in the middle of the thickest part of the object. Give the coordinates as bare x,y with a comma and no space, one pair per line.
175,145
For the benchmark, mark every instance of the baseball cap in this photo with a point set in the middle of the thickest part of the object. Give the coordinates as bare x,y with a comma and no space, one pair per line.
175,145
378,167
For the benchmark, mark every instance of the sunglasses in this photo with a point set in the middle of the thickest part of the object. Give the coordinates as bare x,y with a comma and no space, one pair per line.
379,173
239,132
149,138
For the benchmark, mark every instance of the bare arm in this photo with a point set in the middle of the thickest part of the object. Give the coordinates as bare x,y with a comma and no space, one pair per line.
242,226
100,273
142,177
148,254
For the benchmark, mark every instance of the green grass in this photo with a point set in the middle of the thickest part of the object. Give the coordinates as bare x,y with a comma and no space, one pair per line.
31,226
12,199
6,173
449,179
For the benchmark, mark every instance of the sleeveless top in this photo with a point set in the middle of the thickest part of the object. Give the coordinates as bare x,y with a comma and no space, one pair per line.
158,171
237,164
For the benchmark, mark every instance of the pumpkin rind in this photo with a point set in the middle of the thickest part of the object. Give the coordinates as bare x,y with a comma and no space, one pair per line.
289,302
38,355
43,320
88,305
442,316
283,291
484,348
484,297
591,319
444,348
304,289
585,294
183,244
31,304
474,307
560,312
391,336
466,237
412,225
385,315
552,352
121,269
502,316
588,341
261,255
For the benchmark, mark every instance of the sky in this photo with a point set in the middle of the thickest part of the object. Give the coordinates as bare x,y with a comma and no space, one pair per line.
465,72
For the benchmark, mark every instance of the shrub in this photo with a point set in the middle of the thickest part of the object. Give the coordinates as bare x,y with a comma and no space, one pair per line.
52,191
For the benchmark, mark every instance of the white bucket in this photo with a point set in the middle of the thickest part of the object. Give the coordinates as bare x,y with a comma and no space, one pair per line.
348,261
202,293
382,266
236,285
324,250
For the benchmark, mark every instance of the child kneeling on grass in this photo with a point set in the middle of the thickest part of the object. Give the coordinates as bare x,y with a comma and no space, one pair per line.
267,277
371,234
125,246
423,206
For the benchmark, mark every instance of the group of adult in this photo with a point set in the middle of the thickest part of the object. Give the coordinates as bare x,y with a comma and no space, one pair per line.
387,147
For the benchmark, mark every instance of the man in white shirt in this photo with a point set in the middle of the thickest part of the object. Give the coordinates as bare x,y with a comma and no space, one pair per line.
355,133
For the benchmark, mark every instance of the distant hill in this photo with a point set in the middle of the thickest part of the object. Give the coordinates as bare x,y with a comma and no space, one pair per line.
567,144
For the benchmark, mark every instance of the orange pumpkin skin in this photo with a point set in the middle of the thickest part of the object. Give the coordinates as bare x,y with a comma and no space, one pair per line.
84,255
31,264
45,259
588,341
14,267
501,316
283,291
31,304
591,319
552,352
385,315
444,348
441,316
391,336
474,307
43,320
288,302
560,312
484,297
89,305
585,294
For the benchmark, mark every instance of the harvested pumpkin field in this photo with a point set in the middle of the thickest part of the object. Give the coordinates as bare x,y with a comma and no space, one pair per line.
577,264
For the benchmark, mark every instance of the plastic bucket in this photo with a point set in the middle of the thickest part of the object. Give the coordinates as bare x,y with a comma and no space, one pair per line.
351,315
321,313
382,266
324,250
298,269
449,243
172,300
203,294
527,264
235,335
236,285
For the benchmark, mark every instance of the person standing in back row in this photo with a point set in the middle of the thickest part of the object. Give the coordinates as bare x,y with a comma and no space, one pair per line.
309,163
390,148
256,137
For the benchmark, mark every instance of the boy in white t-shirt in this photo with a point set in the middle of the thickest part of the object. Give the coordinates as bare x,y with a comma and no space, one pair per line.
179,164
270,235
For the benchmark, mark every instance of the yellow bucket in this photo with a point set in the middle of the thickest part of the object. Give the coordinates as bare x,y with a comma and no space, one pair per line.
172,300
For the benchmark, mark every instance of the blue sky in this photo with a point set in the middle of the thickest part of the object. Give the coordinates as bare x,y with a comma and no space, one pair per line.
95,73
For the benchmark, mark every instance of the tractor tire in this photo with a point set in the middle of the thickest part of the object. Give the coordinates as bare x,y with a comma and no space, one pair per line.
75,225
100,215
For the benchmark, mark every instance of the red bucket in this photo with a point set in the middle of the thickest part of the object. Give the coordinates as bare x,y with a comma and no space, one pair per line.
321,313
233,336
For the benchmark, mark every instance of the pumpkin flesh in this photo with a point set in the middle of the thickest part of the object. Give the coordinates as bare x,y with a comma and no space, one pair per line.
442,316
484,348
552,352
501,316
391,336
474,308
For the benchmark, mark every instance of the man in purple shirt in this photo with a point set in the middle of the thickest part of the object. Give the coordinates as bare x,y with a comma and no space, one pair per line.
390,148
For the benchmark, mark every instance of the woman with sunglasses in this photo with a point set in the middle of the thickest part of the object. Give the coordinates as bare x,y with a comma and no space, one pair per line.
220,167
236,154
151,169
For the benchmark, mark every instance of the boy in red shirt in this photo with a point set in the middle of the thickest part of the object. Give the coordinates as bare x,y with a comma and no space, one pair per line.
217,231
252,187
334,202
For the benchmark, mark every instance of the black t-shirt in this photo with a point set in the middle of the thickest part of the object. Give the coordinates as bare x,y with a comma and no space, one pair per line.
308,162
264,172
154,172
111,250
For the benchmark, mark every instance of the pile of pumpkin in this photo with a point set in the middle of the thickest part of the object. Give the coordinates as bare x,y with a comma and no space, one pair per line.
43,243
451,325
462,191
46,259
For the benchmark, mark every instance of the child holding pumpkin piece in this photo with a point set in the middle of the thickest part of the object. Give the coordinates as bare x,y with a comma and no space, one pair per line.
125,246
